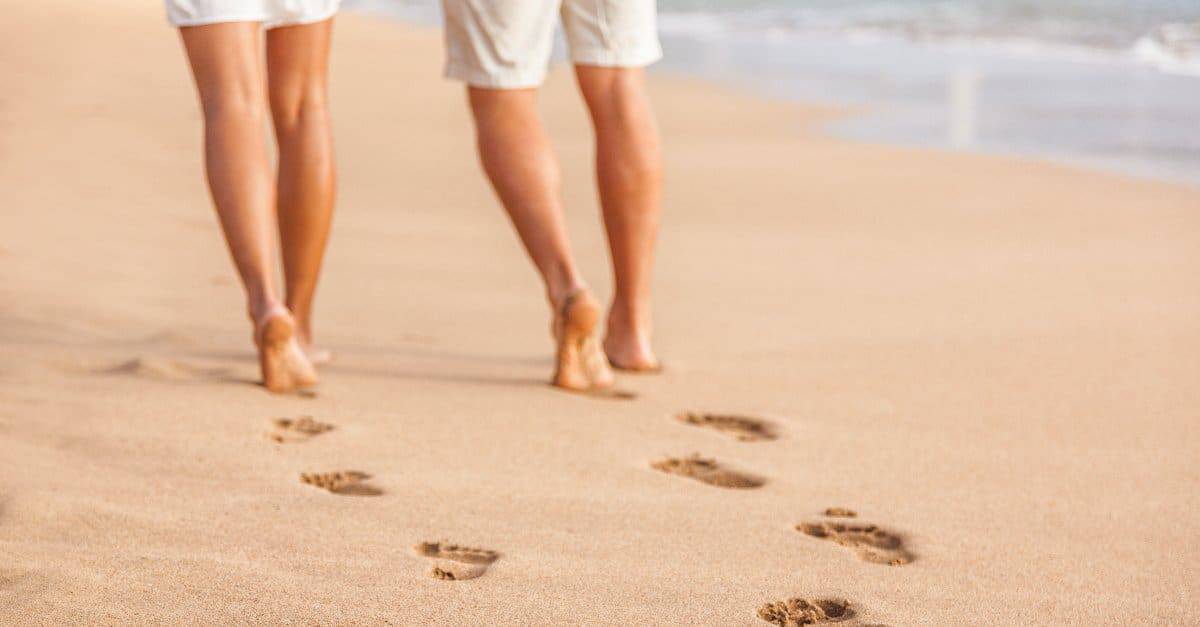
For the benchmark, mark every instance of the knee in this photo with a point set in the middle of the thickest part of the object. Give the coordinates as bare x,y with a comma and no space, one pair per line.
235,102
498,112
291,108
619,101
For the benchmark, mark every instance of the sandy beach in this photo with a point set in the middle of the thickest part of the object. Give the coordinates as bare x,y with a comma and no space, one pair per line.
993,360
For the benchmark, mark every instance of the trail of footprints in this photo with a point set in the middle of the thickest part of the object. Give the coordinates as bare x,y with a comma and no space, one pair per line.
710,471
343,482
452,562
869,542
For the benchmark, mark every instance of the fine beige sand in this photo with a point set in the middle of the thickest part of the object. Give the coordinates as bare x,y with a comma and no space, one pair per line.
992,362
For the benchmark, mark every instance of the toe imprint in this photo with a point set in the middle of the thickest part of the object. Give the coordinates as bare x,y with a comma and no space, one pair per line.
744,428
297,429
871,543
445,575
840,512
455,563
797,611
706,471
345,482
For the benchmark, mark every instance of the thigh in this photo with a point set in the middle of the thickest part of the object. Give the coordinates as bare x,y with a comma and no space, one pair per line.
225,61
612,33
298,61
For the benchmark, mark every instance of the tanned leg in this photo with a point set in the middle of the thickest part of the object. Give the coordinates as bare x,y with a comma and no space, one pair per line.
297,66
629,175
521,165
229,79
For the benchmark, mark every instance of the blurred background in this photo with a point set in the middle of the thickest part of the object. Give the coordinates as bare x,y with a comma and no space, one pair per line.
1113,84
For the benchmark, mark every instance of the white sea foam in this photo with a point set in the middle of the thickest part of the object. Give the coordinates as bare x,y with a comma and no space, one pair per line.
1101,32
1173,48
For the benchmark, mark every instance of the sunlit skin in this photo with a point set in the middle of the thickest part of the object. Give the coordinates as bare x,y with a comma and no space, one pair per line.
521,165
297,67
256,205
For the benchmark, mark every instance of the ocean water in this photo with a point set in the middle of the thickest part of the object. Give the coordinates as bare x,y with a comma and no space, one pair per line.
1111,84
1164,34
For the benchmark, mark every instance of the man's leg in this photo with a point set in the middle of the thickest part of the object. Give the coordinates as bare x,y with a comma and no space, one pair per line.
629,174
521,165
297,65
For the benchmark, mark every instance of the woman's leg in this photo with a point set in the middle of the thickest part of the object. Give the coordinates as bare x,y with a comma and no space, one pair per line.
297,66
518,160
228,74
629,173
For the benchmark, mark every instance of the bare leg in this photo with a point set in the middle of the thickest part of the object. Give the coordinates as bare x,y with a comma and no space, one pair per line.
297,66
517,157
228,77
629,174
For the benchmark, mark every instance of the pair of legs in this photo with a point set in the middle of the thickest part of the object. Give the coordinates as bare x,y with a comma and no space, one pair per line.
521,165
256,205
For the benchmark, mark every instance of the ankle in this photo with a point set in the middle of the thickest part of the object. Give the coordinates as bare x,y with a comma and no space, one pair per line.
260,310
304,333
629,347
302,323
558,294
627,320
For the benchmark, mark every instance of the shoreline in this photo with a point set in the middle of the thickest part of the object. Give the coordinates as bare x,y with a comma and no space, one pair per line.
943,97
988,357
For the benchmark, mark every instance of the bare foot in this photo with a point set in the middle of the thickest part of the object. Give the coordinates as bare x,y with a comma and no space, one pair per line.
579,364
316,356
284,366
628,349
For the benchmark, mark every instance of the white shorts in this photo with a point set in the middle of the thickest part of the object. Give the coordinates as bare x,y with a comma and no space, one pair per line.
506,44
271,13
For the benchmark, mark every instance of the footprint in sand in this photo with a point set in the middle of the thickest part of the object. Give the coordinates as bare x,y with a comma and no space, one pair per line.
452,562
163,370
744,428
871,543
706,471
296,429
796,611
344,482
